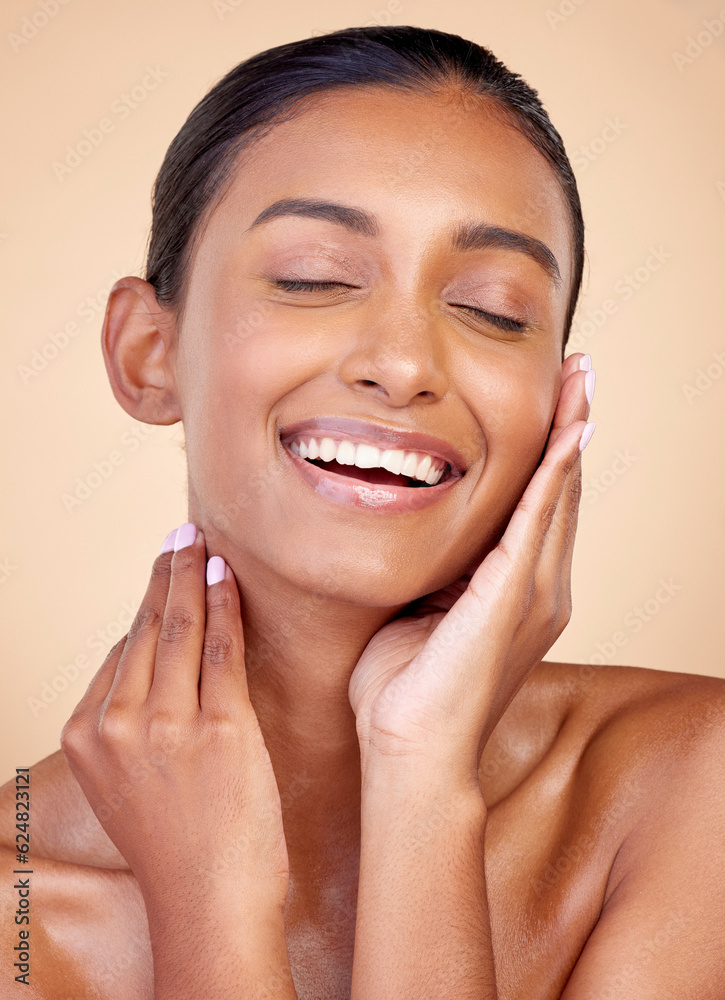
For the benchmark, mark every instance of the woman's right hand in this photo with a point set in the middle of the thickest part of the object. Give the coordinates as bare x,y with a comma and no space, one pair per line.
168,751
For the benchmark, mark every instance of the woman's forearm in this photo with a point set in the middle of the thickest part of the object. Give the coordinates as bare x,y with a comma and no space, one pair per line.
423,930
218,949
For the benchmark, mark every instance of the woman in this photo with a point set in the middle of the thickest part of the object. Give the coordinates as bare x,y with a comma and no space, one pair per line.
328,759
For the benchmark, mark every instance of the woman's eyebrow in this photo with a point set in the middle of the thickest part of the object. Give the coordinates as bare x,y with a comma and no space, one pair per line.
468,236
354,219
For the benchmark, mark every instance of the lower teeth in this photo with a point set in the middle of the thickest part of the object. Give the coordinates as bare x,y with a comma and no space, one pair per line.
410,483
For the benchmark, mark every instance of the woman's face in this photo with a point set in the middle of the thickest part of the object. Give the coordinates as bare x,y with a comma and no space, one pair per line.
394,343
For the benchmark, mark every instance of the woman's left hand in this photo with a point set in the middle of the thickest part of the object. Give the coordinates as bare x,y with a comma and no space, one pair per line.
435,680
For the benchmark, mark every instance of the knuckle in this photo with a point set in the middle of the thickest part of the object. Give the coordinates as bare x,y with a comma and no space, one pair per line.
161,569
221,598
221,730
178,624
184,559
574,489
73,734
559,615
551,609
565,616
166,731
547,515
116,725
147,619
220,646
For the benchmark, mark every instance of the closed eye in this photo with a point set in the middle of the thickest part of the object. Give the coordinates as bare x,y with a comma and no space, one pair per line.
294,285
503,322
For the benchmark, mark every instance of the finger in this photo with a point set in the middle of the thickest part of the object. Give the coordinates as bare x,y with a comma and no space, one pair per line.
480,622
567,560
223,690
102,681
573,403
136,667
519,549
175,684
552,575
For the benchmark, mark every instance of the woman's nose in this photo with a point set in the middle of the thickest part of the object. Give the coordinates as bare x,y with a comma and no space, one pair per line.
397,358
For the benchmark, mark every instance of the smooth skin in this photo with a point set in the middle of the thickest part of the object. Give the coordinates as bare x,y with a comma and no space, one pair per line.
345,769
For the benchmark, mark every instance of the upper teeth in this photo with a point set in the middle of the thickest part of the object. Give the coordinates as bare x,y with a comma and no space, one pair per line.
414,464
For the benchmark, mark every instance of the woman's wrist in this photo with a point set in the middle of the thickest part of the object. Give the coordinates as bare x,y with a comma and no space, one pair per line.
421,869
219,947
423,774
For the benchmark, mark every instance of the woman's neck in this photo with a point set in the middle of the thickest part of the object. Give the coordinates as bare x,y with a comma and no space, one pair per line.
300,651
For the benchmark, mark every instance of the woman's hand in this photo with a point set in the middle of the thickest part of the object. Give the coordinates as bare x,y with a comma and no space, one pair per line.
167,748
434,681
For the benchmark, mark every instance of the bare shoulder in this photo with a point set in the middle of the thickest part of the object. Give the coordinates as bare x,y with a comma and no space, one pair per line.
637,729
639,718
647,771
86,932
642,792
603,727
63,825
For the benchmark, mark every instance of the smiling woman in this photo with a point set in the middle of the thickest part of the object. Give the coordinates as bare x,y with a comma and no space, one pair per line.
328,758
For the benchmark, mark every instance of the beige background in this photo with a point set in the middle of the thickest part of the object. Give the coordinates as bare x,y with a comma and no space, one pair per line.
645,132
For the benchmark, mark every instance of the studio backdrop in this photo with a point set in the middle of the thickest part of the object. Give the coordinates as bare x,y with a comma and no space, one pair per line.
93,94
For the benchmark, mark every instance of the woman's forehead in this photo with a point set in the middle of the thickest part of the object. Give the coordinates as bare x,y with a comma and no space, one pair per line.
415,161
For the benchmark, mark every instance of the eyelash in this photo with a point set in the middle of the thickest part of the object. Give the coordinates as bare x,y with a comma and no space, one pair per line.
293,285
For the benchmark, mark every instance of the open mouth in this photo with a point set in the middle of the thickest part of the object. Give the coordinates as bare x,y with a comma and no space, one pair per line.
369,470
366,463
377,476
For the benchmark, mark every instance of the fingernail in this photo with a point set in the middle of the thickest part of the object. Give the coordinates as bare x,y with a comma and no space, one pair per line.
168,542
185,536
586,436
589,380
215,570
585,363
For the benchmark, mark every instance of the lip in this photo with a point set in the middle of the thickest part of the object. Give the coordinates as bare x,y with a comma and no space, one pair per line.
379,435
351,492
347,491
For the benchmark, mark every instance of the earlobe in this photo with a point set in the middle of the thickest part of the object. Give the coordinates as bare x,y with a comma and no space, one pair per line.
138,341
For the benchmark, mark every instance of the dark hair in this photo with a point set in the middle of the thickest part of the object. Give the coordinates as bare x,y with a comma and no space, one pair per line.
269,88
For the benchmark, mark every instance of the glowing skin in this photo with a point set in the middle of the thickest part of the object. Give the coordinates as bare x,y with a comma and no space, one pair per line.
252,359
398,350
318,576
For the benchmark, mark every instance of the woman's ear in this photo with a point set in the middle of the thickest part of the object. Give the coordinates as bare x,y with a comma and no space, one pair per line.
138,341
